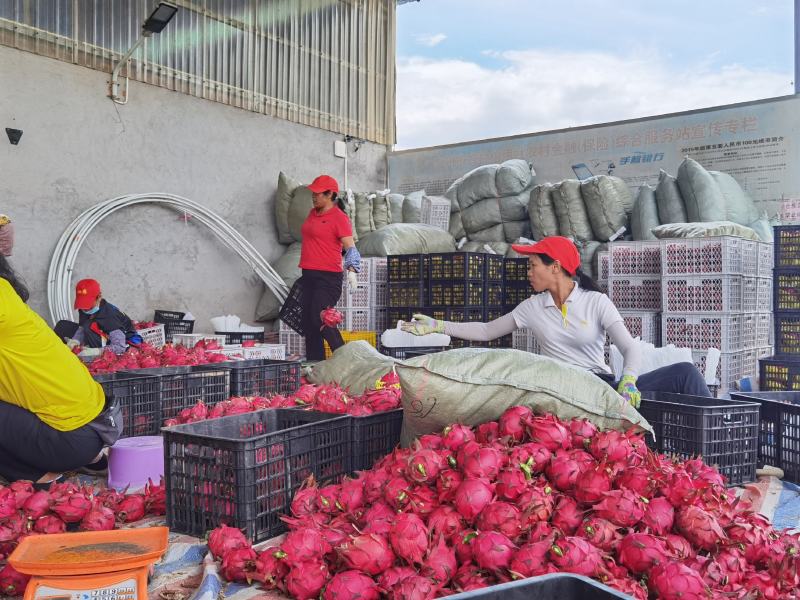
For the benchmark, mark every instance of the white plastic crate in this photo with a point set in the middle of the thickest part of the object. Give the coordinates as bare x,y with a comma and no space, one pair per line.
154,336
635,293
763,330
379,272
259,351
725,332
645,325
732,367
710,293
764,294
190,340
603,265
358,319
436,212
358,298
294,342
522,339
726,255
635,258
380,294
766,259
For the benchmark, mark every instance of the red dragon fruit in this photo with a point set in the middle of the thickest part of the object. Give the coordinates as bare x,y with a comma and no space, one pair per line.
270,567
131,509
369,553
351,495
551,432
468,577
393,576
621,507
472,497
659,516
592,484
331,399
425,465
576,555
440,564
513,421
351,585
511,483
37,505
563,471
49,524
8,502
305,544
99,518
330,317
486,433
637,479
224,538
463,545
640,552
22,491
612,446
566,515
582,431
12,582
238,564
446,521
12,527
409,538
422,500
531,560
599,532
455,436
502,517
155,497
306,579
378,518
395,492
447,483
532,458
484,462
492,550
676,581
539,501
679,547
414,588
305,500
699,527
328,499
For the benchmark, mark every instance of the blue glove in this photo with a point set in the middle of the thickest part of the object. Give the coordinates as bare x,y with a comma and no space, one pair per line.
352,259
628,390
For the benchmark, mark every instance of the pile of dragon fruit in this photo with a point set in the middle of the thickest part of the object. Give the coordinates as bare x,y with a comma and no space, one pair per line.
65,507
519,497
328,398
148,357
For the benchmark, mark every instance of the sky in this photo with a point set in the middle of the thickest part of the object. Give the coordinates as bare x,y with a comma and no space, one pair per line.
472,69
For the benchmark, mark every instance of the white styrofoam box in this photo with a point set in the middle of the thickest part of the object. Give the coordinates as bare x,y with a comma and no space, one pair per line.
603,265
380,294
154,336
725,255
635,293
645,325
714,293
436,212
724,331
397,338
259,351
190,340
635,258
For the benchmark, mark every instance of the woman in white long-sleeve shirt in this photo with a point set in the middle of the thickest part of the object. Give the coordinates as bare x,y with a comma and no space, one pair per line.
570,321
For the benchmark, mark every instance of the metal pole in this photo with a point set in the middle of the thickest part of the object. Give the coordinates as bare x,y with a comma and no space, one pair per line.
118,67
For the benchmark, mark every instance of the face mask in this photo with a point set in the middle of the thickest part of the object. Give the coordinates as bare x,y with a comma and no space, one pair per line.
91,311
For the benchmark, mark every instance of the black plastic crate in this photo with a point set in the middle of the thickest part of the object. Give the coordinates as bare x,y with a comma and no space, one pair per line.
172,328
182,387
495,267
375,436
787,246
237,337
244,470
464,314
557,586
404,352
786,290
490,314
779,374
407,293
161,316
723,432
457,293
516,293
779,438
787,334
402,313
407,267
291,312
263,377
516,270
138,394
494,293
457,265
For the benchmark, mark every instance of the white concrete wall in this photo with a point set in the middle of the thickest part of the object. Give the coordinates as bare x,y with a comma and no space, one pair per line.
78,148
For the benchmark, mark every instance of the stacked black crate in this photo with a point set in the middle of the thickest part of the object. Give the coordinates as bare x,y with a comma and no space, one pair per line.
782,371
407,287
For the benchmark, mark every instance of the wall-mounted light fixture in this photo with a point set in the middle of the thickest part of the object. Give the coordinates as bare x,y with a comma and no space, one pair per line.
155,23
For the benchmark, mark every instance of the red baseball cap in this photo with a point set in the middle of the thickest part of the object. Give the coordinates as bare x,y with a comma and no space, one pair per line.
324,183
86,293
556,247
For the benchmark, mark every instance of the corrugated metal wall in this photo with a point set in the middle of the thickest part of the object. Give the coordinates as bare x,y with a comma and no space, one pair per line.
324,63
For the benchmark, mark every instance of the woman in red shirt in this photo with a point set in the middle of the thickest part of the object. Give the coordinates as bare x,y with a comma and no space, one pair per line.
326,233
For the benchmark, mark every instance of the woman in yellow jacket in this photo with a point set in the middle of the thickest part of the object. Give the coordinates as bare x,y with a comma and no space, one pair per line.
52,413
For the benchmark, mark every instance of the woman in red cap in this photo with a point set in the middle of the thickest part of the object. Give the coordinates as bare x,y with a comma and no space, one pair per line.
326,233
570,322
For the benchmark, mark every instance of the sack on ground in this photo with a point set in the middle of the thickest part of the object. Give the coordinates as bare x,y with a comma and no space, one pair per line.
496,233
406,238
475,385
701,194
355,366
542,213
513,177
645,214
587,250
606,201
513,230
573,220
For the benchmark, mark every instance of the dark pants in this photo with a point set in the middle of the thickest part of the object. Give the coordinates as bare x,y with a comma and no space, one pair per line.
65,329
29,448
321,290
680,378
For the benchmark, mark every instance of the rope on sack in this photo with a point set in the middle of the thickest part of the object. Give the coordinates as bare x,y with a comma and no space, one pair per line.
62,264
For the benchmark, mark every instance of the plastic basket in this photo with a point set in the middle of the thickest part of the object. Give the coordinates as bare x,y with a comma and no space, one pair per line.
460,293
725,255
787,333
732,366
291,314
786,286
263,377
756,330
634,258
360,297
711,293
779,438
237,337
766,259
764,294
779,374
378,272
402,313
257,352
138,394
787,246
407,267
458,265
556,586
244,470
190,340
645,325
358,319
381,324
436,212
380,294
407,294
173,328
353,336
723,432
294,342
182,387
153,336
515,270
162,316
404,352
635,293
514,294
375,436
495,267
724,332
462,314
603,265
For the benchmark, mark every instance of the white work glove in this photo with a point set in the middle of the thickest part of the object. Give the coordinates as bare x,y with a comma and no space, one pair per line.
72,344
90,352
352,281
423,325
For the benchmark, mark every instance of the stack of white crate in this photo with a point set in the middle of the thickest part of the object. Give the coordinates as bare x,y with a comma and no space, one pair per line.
717,293
294,342
436,211
603,269
522,339
364,308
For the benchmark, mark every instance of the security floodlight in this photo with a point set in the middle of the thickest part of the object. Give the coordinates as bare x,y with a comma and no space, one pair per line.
155,23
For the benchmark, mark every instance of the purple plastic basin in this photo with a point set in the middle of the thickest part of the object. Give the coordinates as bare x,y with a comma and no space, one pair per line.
131,461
